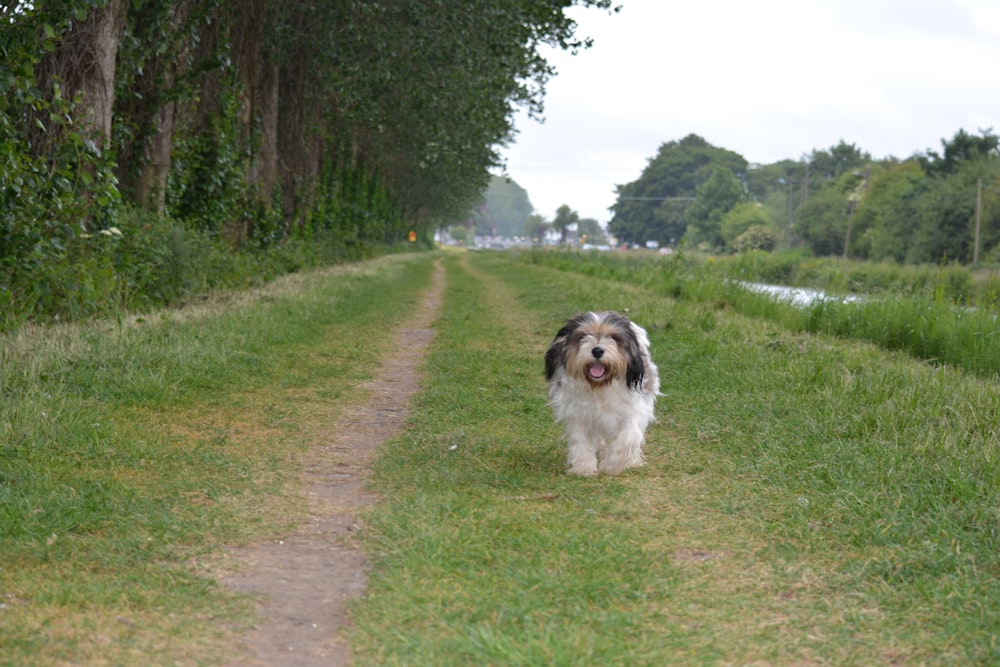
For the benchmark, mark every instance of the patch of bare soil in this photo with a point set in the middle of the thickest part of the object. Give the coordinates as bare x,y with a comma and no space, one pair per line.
306,579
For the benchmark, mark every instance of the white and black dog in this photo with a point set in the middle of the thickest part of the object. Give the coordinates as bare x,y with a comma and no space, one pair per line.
602,386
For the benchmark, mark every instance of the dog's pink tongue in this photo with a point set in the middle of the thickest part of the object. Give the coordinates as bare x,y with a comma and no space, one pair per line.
597,371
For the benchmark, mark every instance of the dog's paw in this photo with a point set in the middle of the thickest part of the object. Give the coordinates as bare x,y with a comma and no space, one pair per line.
616,467
581,471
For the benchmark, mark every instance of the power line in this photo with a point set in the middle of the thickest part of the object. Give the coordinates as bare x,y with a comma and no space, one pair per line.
656,198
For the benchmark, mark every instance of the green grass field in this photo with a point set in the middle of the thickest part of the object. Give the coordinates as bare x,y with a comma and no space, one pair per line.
807,499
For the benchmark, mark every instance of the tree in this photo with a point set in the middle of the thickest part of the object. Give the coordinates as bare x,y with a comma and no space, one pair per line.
776,187
743,217
756,237
565,218
535,228
837,160
591,230
653,207
886,219
714,198
505,208
822,225
254,121
963,147
946,212
156,58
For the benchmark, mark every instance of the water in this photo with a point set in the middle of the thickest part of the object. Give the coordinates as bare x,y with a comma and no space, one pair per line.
797,296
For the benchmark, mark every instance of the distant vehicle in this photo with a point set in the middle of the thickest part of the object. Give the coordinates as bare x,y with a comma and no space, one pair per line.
652,245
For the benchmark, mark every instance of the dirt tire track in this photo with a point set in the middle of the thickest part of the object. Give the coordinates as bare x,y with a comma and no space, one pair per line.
307,578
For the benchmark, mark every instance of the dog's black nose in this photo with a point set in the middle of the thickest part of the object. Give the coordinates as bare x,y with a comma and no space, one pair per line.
598,352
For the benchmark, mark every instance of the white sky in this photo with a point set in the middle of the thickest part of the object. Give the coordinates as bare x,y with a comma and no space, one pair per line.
768,79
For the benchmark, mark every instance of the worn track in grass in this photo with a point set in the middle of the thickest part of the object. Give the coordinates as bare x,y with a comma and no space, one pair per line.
305,580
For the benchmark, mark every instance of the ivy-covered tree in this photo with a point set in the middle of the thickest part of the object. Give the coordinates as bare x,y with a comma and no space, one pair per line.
344,122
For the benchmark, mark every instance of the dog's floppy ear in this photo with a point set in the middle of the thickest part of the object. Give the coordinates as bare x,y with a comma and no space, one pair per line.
555,357
635,372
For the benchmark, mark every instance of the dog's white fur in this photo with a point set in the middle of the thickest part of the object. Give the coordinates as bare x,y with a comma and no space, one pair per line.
602,387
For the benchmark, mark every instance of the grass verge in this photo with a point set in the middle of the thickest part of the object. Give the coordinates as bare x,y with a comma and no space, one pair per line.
131,452
808,500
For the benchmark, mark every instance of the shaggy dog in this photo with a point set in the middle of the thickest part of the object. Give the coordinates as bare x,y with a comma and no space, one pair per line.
602,387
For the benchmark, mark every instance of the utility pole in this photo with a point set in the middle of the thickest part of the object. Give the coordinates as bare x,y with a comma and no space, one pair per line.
850,223
979,215
790,204
853,200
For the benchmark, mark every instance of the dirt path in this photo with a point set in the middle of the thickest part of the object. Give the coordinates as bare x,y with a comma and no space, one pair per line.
307,578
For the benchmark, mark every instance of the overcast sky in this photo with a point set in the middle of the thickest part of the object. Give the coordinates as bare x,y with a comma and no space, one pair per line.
770,80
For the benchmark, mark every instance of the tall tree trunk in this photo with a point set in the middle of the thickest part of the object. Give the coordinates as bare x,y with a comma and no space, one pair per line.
98,44
264,171
83,65
150,189
155,108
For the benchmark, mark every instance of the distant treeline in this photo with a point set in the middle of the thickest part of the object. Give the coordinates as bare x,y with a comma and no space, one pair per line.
929,208
138,137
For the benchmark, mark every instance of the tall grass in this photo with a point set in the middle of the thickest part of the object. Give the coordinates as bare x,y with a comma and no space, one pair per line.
925,318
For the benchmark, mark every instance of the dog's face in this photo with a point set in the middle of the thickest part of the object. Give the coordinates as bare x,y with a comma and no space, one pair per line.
598,347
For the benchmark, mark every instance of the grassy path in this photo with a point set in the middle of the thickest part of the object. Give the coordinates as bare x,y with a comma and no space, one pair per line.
803,501
305,580
807,501
134,454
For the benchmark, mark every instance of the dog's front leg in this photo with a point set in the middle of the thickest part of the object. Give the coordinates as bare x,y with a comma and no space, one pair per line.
582,452
624,451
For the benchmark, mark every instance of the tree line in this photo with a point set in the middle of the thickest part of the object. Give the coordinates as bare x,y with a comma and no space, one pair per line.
935,206
505,211
133,133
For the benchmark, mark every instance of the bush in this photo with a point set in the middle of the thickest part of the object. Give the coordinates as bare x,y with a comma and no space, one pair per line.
757,237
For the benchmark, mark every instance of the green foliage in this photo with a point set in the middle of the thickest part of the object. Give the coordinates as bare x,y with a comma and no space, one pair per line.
838,160
206,185
565,217
962,148
590,231
742,218
504,210
535,228
714,199
925,311
756,237
57,189
249,127
919,210
653,207
822,223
